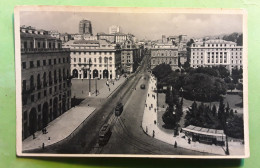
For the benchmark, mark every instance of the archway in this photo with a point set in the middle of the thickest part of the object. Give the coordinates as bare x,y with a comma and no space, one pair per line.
105,73
95,73
45,114
75,73
55,108
33,121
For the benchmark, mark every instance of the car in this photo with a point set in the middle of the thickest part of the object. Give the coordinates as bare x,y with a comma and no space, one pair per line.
119,109
142,86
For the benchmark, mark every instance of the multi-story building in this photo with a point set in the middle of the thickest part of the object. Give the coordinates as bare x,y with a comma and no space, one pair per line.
85,27
216,52
46,86
112,38
65,37
129,56
164,53
114,29
103,57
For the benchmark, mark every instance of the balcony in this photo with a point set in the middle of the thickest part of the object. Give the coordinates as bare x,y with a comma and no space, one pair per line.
37,50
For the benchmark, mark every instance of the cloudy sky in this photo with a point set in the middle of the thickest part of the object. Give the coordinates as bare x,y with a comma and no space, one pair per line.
148,26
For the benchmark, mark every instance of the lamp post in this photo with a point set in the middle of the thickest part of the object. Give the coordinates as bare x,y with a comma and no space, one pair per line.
89,64
83,69
96,86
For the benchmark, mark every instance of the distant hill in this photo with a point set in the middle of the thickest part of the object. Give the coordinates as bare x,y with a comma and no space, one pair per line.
235,37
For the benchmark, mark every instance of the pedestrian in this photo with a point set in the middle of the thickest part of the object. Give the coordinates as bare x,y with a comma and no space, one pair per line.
109,89
175,144
43,145
189,140
153,133
49,138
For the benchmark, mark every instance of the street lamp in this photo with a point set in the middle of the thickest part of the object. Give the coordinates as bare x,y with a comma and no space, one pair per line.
83,69
106,58
96,85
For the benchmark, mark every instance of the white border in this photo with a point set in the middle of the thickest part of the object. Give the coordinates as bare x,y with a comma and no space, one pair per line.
19,9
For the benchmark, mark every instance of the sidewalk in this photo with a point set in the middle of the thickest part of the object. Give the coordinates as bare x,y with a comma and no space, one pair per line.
59,128
151,127
67,123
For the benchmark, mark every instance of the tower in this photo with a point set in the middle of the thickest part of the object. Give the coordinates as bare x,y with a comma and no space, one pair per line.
85,27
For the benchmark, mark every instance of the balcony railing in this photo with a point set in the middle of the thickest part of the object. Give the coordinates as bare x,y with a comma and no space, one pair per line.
32,50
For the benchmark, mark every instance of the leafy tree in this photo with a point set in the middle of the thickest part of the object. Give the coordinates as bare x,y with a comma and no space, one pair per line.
239,86
231,86
169,118
221,111
161,71
237,74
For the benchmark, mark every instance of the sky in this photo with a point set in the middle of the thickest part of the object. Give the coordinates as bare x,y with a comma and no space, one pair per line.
142,25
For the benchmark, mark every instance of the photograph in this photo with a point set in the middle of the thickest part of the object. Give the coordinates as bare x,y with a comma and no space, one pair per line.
131,82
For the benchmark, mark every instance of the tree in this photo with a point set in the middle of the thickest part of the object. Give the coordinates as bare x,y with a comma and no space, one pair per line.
169,118
221,110
231,86
239,86
214,110
161,71
237,74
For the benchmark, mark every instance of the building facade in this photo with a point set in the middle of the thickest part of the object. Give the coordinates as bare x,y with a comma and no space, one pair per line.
94,59
215,53
164,53
46,86
129,56
114,29
85,27
113,38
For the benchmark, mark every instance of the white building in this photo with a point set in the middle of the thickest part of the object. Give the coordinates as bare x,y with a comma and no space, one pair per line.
104,58
216,52
114,29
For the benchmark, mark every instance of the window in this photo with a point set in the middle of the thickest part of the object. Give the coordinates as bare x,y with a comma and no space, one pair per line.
59,61
24,85
50,90
31,64
39,108
32,98
55,61
24,65
45,93
39,95
44,62
74,59
39,45
49,61
79,59
38,63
